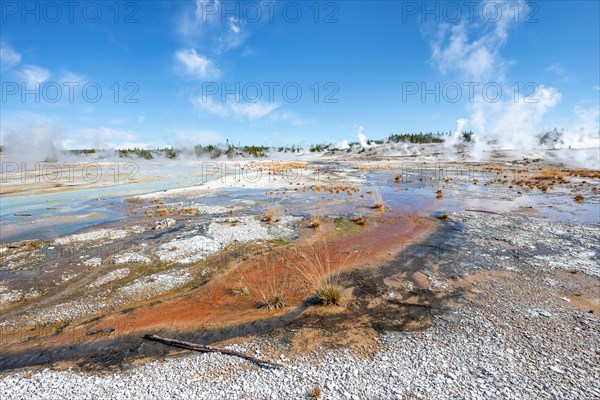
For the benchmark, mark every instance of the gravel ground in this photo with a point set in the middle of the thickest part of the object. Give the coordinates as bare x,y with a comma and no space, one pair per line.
491,348
518,338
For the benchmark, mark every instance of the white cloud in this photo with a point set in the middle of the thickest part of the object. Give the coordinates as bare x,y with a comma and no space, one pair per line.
8,57
32,74
194,65
241,111
207,23
596,87
556,69
290,117
72,77
472,53
473,49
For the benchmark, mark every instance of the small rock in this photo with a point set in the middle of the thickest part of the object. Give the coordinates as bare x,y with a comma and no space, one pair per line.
557,369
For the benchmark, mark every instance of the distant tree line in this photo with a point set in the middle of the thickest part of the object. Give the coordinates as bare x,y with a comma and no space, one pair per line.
230,151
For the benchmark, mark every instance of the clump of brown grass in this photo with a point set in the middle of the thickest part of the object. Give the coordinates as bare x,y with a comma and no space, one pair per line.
269,294
579,198
162,211
398,178
444,217
320,268
314,392
373,167
272,213
359,220
378,200
315,220
271,301
240,290
439,194
269,216
134,200
329,295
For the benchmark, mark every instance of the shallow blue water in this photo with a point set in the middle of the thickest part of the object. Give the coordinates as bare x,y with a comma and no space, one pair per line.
65,212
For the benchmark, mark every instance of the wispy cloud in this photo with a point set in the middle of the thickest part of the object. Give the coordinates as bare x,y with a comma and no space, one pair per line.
289,117
240,111
207,22
472,50
72,77
8,57
195,66
556,69
32,74
473,53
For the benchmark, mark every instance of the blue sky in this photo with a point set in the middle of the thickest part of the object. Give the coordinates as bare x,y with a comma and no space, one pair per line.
366,56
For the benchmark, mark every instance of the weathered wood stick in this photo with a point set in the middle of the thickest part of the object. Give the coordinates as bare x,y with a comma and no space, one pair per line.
201,347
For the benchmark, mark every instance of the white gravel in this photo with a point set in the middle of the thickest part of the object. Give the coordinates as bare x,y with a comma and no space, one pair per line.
221,233
92,262
98,234
469,356
153,285
110,277
131,258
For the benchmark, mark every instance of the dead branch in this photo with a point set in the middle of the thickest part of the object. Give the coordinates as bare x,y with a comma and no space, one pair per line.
210,349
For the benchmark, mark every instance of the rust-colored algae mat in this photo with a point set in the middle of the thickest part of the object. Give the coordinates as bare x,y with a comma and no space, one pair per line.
215,313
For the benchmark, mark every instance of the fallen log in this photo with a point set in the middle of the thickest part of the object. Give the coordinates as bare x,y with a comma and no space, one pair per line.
483,211
209,349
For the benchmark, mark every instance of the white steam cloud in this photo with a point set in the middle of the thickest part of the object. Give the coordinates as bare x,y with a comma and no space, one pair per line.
471,52
362,138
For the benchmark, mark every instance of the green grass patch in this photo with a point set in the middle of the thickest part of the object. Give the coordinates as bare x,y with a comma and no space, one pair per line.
344,225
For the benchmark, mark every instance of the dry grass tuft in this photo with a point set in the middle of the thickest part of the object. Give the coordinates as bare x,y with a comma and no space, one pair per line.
162,211
272,301
188,210
378,203
320,267
579,198
444,217
329,295
315,392
269,294
439,194
359,220
272,213
240,291
316,219
269,216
